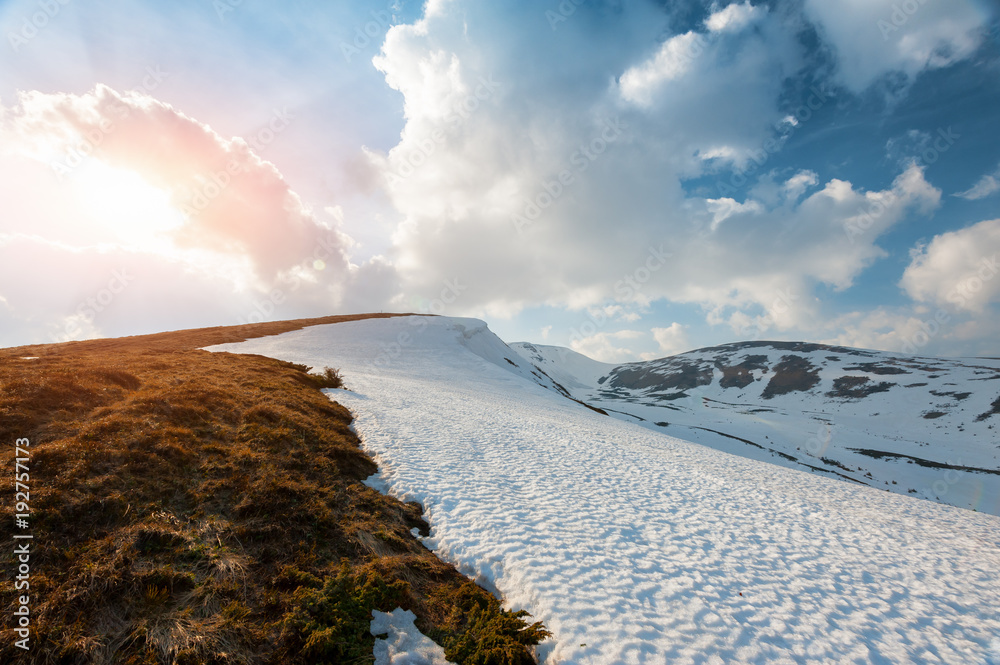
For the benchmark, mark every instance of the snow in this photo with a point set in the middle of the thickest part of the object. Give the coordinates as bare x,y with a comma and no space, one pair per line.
637,547
929,409
569,368
403,644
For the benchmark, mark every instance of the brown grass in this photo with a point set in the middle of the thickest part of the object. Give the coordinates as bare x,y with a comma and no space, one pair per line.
195,507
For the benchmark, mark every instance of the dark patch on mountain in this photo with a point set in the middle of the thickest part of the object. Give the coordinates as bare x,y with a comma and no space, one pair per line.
740,376
957,396
798,347
992,412
876,368
793,373
881,454
663,375
856,387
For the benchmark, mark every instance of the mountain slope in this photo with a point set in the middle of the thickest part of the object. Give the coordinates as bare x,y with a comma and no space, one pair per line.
189,507
635,546
927,427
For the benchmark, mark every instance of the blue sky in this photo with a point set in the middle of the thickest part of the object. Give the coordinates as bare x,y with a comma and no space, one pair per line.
632,179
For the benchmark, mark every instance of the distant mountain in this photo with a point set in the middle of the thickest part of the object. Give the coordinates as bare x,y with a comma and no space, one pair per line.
927,427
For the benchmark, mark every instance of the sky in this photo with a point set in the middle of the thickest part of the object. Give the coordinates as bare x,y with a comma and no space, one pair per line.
632,179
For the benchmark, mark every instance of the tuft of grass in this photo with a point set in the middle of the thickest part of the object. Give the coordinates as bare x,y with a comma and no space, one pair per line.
493,636
195,507
328,378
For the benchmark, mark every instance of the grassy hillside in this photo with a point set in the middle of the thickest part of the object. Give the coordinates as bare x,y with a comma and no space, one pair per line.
192,507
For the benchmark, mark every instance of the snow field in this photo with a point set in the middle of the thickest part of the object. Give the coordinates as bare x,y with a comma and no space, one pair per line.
636,547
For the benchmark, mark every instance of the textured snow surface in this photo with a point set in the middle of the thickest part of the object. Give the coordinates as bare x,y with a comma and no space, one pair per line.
923,427
636,547
403,644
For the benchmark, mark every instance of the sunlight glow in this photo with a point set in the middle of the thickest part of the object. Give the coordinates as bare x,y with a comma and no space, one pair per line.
127,207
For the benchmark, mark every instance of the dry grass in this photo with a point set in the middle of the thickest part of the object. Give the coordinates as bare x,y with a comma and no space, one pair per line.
193,507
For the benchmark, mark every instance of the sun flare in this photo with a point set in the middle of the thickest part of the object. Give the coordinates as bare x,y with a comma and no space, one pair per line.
125,207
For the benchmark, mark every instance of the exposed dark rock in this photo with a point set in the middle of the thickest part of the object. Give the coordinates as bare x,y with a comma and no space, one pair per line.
856,387
663,375
793,373
740,376
881,454
992,412
957,396
876,368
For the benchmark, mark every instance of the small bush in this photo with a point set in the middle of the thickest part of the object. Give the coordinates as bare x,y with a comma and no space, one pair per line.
492,636
332,624
328,378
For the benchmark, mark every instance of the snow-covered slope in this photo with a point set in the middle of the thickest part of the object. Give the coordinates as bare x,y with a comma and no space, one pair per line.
637,547
927,427
567,367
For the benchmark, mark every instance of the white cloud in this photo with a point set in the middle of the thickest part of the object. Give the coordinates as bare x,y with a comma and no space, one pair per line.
957,269
235,203
734,17
536,141
914,330
686,54
253,251
724,208
988,185
674,59
873,38
797,185
606,346
671,340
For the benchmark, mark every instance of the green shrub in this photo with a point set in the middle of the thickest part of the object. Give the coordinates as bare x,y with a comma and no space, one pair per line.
332,624
329,378
492,636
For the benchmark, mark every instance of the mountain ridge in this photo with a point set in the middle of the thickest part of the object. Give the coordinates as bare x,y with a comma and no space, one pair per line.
883,419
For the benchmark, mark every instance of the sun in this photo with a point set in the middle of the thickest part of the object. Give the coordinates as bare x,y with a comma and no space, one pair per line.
122,208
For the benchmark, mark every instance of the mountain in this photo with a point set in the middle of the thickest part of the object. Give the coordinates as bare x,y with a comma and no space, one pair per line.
632,544
926,427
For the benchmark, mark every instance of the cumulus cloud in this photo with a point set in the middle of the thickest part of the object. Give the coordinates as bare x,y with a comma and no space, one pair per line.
671,341
734,17
212,234
914,330
957,269
608,347
688,54
561,191
233,201
875,38
988,185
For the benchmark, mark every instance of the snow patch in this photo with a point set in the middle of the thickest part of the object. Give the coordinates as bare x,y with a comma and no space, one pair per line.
402,643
